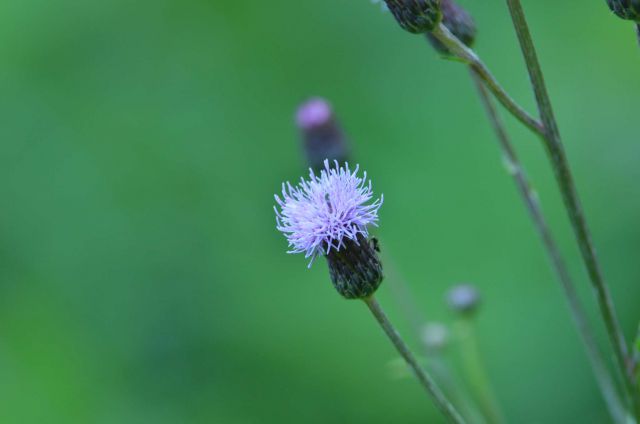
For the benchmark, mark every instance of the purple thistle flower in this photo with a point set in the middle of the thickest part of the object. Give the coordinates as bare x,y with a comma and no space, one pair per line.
322,135
327,211
313,113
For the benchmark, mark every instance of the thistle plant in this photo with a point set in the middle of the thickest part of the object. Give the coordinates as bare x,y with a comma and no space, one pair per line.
330,214
433,337
546,128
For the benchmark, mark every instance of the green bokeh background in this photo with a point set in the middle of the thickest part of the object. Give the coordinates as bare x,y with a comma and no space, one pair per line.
142,279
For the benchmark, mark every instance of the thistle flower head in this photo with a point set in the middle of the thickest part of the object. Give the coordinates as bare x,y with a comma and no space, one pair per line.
321,133
324,213
415,16
626,9
458,21
313,113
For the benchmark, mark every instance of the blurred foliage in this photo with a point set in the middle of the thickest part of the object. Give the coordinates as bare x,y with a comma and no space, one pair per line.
142,279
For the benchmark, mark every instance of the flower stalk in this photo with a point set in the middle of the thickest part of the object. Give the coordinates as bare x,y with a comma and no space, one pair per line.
475,370
547,129
558,264
329,215
427,382
440,369
564,178
467,55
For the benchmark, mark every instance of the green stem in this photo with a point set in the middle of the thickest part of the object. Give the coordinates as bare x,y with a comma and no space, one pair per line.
403,296
442,373
553,252
443,404
436,364
635,365
475,371
458,49
560,164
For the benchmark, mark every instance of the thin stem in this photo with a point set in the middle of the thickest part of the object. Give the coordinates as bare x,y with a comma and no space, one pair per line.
442,373
556,153
476,373
425,379
403,296
435,363
635,363
553,252
458,49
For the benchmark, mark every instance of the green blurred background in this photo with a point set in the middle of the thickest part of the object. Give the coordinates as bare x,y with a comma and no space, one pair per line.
141,276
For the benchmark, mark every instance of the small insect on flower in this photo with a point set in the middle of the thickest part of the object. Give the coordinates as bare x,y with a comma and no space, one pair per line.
330,215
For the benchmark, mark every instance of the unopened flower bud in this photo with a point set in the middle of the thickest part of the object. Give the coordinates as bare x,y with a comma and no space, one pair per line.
322,135
463,298
626,9
356,270
435,336
458,21
416,16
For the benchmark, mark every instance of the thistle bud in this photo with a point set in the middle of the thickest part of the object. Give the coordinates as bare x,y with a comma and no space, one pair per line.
626,9
356,270
458,21
416,16
434,336
322,135
463,298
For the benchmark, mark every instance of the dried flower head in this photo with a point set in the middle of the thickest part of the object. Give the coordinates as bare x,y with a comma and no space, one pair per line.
415,16
322,135
458,21
329,215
